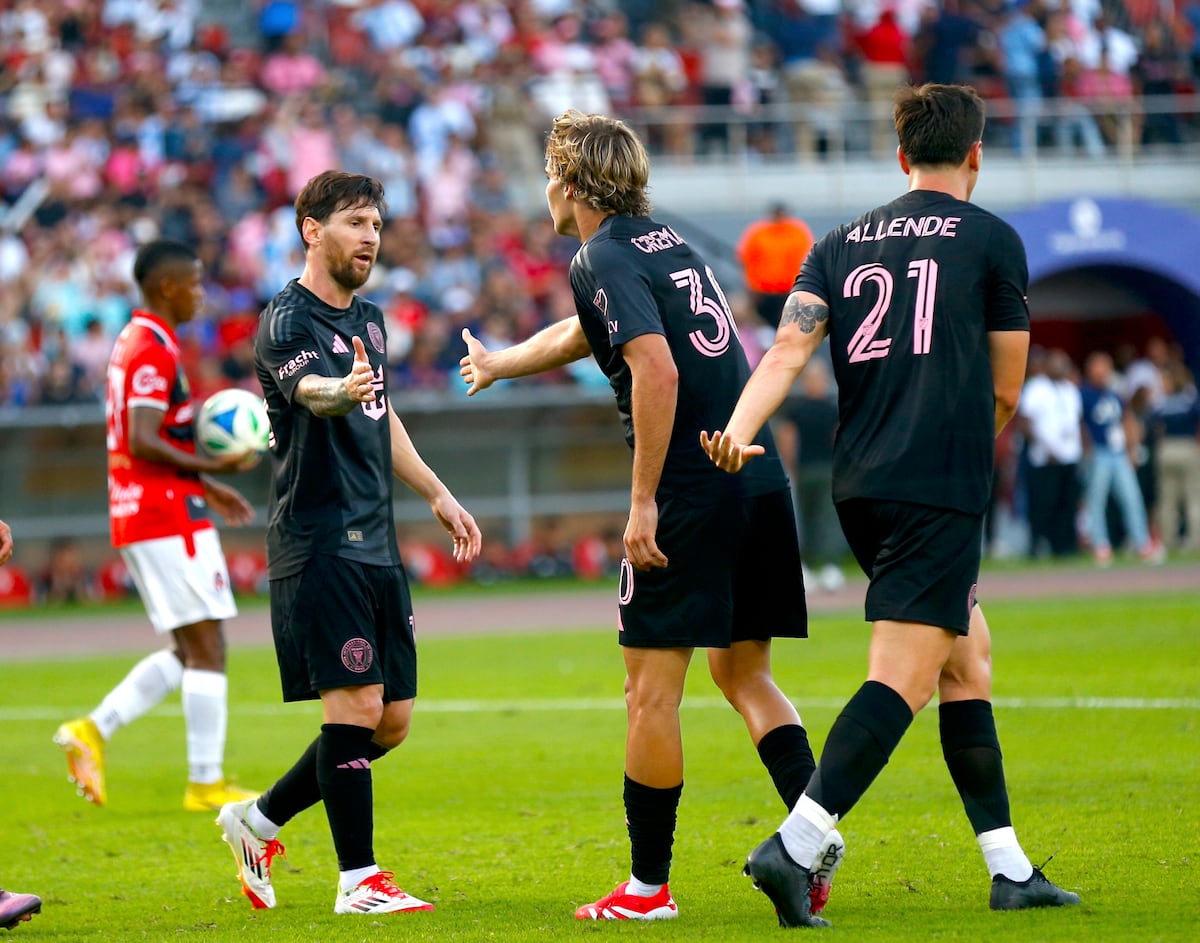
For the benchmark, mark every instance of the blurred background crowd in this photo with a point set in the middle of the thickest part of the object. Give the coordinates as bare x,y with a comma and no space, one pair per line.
123,120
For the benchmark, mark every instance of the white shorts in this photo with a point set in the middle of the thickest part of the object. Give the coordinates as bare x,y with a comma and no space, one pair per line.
178,589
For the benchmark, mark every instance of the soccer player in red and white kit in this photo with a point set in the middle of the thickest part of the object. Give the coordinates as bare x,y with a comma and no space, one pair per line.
159,500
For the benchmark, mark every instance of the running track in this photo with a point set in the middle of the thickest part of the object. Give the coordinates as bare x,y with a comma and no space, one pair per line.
94,633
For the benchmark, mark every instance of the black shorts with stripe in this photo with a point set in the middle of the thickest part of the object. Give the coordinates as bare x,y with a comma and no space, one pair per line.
923,562
339,624
733,574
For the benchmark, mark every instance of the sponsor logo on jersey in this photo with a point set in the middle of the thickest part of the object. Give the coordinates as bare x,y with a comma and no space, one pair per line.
376,336
354,536
656,241
357,655
146,381
297,363
125,500
339,345
601,301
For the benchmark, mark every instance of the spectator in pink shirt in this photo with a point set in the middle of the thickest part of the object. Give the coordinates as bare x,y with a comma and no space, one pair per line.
1110,95
291,70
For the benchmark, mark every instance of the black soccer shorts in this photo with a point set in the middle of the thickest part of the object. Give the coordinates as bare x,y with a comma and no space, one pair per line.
340,624
923,562
734,574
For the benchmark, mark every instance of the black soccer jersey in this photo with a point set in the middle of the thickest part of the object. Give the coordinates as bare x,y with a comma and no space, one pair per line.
913,289
331,478
635,276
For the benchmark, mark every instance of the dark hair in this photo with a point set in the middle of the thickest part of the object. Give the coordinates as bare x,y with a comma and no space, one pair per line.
938,124
335,190
154,255
602,159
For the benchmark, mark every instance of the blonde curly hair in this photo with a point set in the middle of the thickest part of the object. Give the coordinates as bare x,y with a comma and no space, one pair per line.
602,159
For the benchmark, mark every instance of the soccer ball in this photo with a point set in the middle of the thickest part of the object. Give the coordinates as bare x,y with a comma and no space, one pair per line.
232,422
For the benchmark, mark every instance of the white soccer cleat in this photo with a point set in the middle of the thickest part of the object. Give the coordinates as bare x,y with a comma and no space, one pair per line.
621,906
829,859
252,853
378,894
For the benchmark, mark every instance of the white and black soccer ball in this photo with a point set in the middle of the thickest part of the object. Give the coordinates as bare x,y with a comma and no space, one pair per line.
232,422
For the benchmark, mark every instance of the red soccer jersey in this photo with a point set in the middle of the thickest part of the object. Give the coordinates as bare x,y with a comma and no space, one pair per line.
147,499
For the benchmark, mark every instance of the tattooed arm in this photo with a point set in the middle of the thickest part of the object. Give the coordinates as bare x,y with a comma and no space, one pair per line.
802,327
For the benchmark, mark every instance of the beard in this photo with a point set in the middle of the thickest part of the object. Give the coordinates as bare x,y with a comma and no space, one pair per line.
346,275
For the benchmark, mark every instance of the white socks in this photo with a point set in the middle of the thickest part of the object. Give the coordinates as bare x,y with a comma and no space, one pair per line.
1003,855
260,823
348,880
803,831
148,682
205,714
640,888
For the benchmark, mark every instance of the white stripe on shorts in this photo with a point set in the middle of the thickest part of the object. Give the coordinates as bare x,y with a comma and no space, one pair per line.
178,589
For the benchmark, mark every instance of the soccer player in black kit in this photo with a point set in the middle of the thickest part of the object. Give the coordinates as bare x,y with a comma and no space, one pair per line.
341,613
923,301
710,561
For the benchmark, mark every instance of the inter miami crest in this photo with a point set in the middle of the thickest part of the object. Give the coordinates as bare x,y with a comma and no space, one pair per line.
357,655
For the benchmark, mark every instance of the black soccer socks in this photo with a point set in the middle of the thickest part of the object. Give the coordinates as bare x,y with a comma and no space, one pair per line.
344,775
788,757
858,747
972,752
650,817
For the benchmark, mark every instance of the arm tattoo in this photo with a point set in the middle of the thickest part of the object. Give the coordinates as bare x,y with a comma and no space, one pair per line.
806,316
325,396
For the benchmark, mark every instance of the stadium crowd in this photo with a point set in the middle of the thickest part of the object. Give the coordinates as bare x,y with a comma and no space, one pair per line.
125,120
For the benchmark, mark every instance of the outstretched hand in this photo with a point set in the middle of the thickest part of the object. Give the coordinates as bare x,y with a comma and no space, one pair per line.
727,454
473,366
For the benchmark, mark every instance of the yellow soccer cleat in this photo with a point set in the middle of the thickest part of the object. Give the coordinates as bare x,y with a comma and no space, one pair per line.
81,741
209,797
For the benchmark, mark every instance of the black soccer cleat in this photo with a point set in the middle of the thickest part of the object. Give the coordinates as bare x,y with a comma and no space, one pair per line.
1038,891
783,881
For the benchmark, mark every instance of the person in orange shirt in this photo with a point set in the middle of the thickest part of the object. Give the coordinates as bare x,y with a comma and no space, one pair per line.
771,251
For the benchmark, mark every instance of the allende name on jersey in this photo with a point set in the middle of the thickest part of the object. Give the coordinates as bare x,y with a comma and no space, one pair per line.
906,226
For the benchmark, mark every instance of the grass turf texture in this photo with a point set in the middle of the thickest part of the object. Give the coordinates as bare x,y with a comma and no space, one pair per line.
504,806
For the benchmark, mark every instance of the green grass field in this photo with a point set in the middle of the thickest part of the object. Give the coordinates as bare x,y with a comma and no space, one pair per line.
504,805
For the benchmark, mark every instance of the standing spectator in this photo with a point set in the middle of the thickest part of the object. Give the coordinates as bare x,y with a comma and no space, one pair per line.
1110,96
1051,411
771,251
725,59
1109,469
945,41
1177,418
806,32
884,52
1149,370
660,81
1022,42
1157,74
805,439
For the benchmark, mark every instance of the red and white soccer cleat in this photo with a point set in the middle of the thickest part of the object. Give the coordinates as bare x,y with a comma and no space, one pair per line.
252,852
378,894
621,906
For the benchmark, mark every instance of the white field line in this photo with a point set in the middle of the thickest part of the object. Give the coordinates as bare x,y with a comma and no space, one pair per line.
10,714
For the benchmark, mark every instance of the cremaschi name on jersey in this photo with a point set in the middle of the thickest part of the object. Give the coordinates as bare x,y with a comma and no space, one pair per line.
656,241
